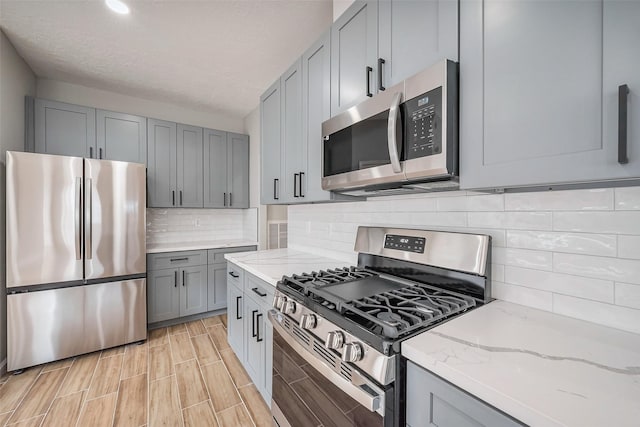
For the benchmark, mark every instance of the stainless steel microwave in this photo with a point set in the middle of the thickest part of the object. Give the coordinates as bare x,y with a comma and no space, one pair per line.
405,137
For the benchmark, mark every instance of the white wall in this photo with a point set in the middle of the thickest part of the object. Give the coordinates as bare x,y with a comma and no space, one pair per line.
252,128
16,81
82,95
339,6
575,253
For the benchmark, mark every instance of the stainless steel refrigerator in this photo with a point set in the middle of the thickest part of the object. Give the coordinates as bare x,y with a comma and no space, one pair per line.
76,256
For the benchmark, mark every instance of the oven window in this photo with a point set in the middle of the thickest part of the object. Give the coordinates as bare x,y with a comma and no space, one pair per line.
305,398
361,146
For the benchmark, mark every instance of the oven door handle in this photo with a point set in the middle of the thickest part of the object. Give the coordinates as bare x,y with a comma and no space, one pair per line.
392,125
362,392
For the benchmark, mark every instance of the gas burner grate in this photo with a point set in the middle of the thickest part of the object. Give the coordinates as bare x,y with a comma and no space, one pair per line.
304,283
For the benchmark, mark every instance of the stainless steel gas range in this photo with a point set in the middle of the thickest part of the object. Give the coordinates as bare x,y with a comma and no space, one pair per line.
337,333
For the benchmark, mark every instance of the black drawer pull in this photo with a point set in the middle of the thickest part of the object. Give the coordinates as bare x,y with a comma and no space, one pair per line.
253,323
238,317
369,70
180,197
184,280
175,279
179,259
295,185
623,93
258,333
100,151
230,199
275,185
173,197
301,175
234,275
380,64
262,294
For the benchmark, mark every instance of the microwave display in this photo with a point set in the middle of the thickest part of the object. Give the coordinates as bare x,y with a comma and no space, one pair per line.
423,125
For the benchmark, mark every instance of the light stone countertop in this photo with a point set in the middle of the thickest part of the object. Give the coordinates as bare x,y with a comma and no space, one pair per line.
541,368
194,246
271,265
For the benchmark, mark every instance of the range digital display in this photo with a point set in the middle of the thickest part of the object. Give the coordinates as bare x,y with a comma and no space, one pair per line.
405,243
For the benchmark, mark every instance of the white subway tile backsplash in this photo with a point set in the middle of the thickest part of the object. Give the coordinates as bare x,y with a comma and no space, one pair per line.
583,243
576,200
618,222
628,198
629,247
605,314
595,289
573,251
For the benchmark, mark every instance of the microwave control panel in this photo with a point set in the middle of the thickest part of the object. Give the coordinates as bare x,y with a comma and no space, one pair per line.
423,124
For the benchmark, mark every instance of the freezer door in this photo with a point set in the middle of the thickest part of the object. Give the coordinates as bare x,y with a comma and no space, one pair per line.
44,234
114,218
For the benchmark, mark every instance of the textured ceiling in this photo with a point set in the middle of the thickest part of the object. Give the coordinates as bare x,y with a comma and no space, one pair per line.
217,55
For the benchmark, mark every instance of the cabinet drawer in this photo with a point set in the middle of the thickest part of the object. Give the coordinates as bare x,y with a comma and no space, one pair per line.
259,290
176,259
235,275
216,256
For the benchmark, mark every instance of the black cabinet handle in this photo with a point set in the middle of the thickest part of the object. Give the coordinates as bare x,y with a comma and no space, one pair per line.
100,153
253,323
295,185
623,94
175,279
173,197
369,70
381,62
230,199
238,317
234,275
262,294
301,175
258,322
224,195
184,280
275,184
180,197
179,259
91,152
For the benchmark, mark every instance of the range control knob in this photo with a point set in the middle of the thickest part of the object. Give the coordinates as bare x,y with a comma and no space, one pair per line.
308,321
278,302
335,340
352,352
289,306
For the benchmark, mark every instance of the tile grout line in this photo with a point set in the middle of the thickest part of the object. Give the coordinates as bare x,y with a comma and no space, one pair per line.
115,407
211,407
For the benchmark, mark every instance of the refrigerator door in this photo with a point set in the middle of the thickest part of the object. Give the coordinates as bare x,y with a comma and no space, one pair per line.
44,206
114,219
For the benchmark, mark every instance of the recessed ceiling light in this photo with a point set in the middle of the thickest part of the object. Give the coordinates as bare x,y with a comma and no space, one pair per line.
117,6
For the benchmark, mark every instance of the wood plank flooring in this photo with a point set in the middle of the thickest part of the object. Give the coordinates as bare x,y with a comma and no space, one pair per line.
185,375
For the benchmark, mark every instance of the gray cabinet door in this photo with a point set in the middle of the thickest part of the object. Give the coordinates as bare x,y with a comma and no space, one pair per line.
532,105
238,170
291,132
190,163
354,47
254,343
121,137
217,287
161,163
413,35
163,295
316,81
432,401
235,320
65,129
193,290
270,153
215,169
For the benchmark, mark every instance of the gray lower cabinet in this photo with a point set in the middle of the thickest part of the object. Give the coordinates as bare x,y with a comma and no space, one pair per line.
62,129
431,401
270,153
121,137
161,164
189,167
193,292
235,320
163,295
254,341
217,287
226,174
544,110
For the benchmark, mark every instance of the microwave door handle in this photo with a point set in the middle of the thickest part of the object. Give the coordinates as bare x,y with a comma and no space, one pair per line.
394,112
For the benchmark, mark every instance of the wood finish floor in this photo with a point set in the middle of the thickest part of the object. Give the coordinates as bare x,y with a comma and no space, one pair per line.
184,375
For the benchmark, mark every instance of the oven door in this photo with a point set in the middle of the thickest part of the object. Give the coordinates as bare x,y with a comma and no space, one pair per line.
309,391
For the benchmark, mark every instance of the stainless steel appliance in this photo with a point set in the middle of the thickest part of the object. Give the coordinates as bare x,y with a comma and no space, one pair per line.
337,333
403,139
76,256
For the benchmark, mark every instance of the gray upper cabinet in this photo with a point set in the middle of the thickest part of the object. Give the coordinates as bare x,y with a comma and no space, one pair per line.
270,154
354,49
291,132
64,129
238,170
215,170
121,136
189,167
432,401
413,35
161,164
543,110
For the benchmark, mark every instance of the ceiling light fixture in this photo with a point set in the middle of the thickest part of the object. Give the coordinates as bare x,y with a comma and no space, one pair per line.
117,6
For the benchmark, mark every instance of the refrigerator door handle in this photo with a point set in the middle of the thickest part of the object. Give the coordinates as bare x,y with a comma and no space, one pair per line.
78,221
88,214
